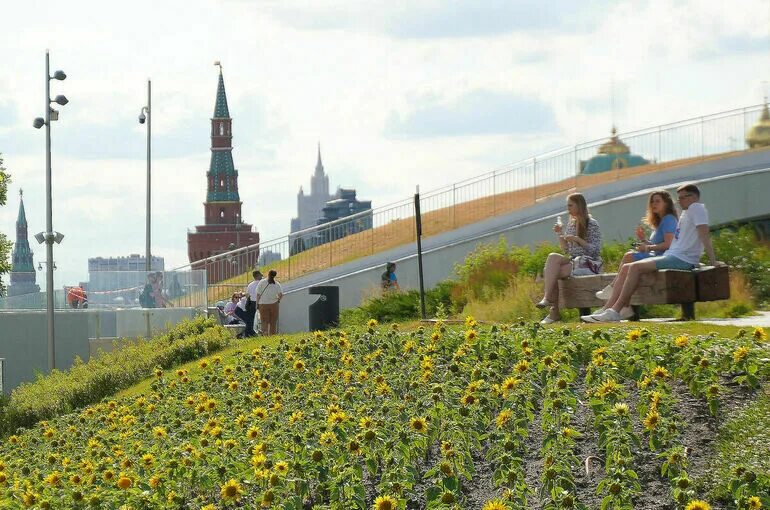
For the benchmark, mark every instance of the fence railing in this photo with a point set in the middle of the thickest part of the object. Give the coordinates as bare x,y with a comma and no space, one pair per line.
497,192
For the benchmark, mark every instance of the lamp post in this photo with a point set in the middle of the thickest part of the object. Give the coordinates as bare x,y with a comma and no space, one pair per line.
49,236
148,117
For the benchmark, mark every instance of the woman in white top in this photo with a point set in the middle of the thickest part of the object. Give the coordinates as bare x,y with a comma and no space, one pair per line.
269,294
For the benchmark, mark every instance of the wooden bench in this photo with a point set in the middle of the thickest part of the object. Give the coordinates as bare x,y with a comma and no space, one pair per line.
237,330
668,286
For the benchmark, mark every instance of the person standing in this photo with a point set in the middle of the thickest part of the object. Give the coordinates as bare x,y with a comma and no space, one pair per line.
250,303
269,294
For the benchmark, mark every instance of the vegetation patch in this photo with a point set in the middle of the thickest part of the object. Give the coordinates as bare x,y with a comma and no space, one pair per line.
479,416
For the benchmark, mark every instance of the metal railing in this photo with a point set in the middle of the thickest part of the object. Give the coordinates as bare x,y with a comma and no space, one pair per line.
497,192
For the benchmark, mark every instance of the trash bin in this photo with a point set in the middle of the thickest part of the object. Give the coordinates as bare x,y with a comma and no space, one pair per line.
325,312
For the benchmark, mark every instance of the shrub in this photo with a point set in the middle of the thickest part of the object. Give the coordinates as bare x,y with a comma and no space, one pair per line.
741,250
88,382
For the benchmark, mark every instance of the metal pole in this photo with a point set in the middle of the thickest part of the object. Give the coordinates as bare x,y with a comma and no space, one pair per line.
148,263
418,223
49,219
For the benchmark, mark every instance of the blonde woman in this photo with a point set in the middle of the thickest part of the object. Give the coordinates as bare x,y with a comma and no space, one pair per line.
582,241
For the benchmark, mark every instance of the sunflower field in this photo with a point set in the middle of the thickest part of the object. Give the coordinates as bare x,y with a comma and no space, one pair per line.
490,417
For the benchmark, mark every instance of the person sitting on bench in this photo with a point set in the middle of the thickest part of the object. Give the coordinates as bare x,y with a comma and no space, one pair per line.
661,217
690,239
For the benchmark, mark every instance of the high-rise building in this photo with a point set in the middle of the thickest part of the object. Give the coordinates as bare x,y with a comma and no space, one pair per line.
133,262
310,207
23,268
224,228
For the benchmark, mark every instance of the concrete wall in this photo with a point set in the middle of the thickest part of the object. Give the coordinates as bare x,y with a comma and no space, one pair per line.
83,333
24,343
732,190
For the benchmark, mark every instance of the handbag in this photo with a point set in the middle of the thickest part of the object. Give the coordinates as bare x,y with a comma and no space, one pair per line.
583,265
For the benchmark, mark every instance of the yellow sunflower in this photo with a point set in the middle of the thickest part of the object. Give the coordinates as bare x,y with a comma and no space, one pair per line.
495,504
652,420
231,490
759,334
419,425
698,505
660,372
633,335
385,503
740,354
754,503
682,341
503,418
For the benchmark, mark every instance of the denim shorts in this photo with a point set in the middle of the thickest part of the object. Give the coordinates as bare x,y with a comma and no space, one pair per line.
641,255
671,262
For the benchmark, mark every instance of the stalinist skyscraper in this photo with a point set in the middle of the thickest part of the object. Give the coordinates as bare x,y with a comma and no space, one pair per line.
310,207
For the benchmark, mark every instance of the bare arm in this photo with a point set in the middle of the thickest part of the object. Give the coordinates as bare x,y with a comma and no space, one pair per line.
668,238
705,238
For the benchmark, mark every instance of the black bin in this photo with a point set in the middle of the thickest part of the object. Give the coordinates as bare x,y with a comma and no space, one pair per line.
324,313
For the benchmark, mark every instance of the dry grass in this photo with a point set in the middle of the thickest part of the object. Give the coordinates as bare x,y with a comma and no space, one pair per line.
402,231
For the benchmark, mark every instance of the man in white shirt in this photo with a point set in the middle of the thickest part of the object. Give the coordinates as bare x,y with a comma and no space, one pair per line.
691,238
249,303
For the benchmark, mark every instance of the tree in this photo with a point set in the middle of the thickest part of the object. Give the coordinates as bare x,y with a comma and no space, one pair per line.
5,244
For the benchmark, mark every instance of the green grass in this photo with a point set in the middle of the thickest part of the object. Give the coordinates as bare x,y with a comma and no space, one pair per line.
743,441
194,371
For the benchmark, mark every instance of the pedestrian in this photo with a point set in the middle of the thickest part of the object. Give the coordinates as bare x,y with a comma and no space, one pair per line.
269,294
250,303
388,280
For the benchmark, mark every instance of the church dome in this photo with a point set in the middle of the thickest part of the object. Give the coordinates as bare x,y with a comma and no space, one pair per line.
611,155
759,134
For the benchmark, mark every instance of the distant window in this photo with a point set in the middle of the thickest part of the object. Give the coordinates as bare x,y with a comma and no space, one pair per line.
221,213
221,183
221,128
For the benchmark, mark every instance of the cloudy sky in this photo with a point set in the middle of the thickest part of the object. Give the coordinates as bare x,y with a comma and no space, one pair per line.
399,93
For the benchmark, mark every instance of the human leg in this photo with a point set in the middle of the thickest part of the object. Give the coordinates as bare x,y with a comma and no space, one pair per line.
554,314
635,270
551,274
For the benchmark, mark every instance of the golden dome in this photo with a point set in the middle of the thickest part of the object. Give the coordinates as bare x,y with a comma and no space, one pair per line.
614,145
759,134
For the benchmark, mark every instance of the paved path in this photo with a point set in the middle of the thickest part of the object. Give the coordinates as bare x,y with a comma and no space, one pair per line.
762,319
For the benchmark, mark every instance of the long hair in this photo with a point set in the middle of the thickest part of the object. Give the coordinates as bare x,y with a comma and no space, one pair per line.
271,276
652,219
581,218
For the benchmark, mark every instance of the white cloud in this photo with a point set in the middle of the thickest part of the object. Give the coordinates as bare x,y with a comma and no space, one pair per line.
337,72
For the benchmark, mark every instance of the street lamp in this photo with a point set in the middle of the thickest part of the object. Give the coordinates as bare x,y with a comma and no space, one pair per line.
49,236
142,118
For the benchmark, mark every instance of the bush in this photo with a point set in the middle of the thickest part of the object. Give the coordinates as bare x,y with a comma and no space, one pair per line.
741,250
86,383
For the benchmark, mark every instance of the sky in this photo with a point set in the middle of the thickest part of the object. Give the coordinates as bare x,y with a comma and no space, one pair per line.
399,94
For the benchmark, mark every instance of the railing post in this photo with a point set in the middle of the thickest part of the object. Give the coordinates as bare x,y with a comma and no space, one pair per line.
534,180
660,145
702,140
575,167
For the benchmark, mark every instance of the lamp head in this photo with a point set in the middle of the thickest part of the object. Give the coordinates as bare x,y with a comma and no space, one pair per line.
59,75
38,122
142,118
61,100
57,237
40,237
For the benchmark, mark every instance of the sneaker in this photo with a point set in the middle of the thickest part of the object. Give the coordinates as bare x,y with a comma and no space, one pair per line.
544,303
626,312
547,320
608,315
605,293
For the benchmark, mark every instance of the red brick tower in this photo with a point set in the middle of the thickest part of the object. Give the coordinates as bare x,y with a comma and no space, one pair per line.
224,229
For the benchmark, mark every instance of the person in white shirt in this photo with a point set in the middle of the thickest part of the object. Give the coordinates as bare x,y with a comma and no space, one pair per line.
249,303
269,294
691,238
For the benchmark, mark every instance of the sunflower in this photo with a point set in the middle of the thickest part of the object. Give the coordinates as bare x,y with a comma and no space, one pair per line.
740,354
754,503
148,460
522,366
495,504
652,420
470,322
296,416
468,399
419,425
299,365
328,438
471,335
354,447
698,505
366,422
510,383
253,433
620,409
503,418
372,323
385,503
53,479
759,334
281,467
660,372
435,336
682,341
159,432
608,387
633,335
260,412
231,490
124,482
